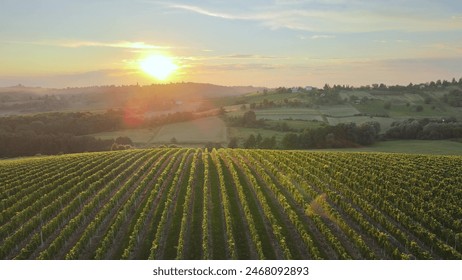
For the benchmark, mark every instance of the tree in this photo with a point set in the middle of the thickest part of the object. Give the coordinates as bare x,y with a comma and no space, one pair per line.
268,143
290,141
282,126
124,140
367,133
233,143
330,140
258,140
119,147
249,118
251,142
353,98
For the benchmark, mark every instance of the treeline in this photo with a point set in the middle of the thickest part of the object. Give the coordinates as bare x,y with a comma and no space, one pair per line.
255,142
344,135
433,85
74,123
29,144
349,135
248,119
55,133
60,132
425,129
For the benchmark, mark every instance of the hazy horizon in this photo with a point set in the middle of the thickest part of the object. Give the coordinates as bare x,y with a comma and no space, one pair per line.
65,43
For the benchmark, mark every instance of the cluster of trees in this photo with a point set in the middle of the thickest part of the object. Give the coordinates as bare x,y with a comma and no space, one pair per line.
122,143
67,132
265,104
255,142
441,83
75,123
327,96
412,87
248,119
338,136
29,144
445,128
55,133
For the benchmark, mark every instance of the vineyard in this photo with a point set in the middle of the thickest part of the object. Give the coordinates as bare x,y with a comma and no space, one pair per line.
231,204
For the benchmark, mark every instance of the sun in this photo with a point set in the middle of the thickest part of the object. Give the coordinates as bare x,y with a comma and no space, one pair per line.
158,66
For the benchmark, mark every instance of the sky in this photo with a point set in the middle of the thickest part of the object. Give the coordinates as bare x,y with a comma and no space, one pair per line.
61,43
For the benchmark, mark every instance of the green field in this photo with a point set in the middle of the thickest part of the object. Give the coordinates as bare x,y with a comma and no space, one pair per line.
141,137
403,106
345,110
275,97
204,130
199,131
231,204
295,124
307,114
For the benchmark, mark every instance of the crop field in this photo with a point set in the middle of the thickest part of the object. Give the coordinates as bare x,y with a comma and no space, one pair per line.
339,110
177,203
139,136
204,130
306,114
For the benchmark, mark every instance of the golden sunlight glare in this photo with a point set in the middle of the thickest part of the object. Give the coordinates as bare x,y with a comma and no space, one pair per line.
158,66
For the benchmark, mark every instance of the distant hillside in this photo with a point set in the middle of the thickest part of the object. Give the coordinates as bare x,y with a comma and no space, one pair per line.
195,90
20,99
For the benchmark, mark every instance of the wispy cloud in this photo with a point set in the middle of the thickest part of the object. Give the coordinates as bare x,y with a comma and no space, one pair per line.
82,44
239,67
316,37
206,12
121,44
251,56
357,16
